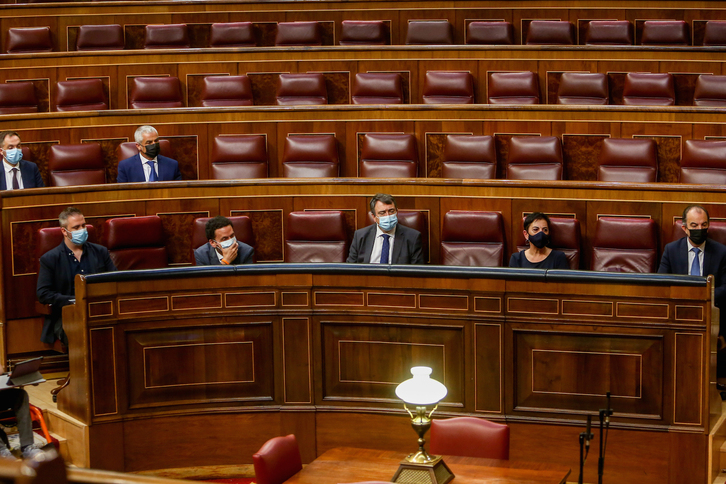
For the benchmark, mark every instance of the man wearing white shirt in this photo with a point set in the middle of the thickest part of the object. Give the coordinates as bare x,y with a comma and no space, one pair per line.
17,172
148,165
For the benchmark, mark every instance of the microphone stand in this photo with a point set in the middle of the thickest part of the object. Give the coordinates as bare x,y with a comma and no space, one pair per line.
604,422
584,444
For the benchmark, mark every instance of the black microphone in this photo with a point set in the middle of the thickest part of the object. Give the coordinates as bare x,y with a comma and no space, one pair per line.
588,435
608,411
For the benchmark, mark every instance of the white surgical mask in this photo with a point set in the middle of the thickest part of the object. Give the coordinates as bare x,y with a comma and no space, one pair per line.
228,243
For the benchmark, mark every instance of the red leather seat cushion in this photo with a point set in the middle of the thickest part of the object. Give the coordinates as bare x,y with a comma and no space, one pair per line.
513,88
446,87
156,92
310,156
277,460
364,32
80,95
704,162
388,155
298,33
710,91
550,32
316,236
170,36
232,34
647,89
534,158
100,37
715,33
377,88
136,242
29,39
624,245
429,32
472,239
18,97
299,89
226,91
469,156
628,160
78,164
665,32
609,32
239,156
583,88
490,33
469,437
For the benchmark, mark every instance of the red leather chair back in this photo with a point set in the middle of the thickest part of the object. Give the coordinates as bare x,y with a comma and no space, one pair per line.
227,91
550,32
364,32
388,156
277,460
715,33
628,160
128,149
646,89
412,219
665,32
50,237
490,33
472,239
624,245
81,164
377,88
299,89
136,242
534,158
469,437
710,91
564,236
242,231
716,231
429,32
155,92
469,156
448,87
29,39
704,162
232,34
298,33
100,37
513,88
18,97
170,36
583,88
609,32
310,156
80,95
316,236
239,156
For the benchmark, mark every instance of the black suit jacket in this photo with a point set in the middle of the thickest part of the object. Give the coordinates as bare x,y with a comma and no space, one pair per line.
206,255
29,173
56,284
130,169
675,261
406,246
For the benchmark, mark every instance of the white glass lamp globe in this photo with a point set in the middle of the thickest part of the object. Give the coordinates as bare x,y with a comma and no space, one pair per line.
421,389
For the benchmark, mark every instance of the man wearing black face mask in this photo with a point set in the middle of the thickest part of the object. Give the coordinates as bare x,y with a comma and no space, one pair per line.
148,165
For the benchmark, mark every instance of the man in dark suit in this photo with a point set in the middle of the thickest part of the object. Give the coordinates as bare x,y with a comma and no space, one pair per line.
58,269
223,247
18,173
148,165
386,242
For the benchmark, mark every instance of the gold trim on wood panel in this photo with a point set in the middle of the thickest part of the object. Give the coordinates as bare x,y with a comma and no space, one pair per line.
110,303
274,298
509,299
587,301
310,364
700,375
368,302
190,296
361,294
120,300
700,308
498,299
619,303
307,299
442,297
115,384
501,366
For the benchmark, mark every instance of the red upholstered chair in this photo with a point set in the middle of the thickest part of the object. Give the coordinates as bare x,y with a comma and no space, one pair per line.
242,231
239,156
80,95
628,160
81,164
136,242
171,36
609,32
227,91
298,33
18,97
472,239
300,89
469,156
412,219
155,92
429,32
277,460
583,88
377,88
100,37
388,155
364,32
534,158
448,87
51,237
513,88
316,236
665,32
646,89
469,437
128,149
565,236
232,34
704,162
550,32
715,33
310,156
716,231
490,33
710,91
29,39
624,245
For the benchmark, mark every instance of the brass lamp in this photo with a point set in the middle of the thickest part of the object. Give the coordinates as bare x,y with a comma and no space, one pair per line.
424,393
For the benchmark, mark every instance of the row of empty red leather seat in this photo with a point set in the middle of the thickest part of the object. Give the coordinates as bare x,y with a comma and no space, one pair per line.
392,155
376,32
440,87
468,238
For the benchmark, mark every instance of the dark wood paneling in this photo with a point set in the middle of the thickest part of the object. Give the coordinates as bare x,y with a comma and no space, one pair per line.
689,378
489,367
103,375
298,360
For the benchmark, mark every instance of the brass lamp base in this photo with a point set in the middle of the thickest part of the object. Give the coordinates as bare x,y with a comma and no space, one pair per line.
435,471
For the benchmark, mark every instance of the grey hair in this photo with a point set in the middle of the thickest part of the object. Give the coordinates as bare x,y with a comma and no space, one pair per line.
68,212
141,131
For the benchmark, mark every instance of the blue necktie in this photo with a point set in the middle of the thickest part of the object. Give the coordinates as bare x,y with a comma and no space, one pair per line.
386,249
696,266
152,176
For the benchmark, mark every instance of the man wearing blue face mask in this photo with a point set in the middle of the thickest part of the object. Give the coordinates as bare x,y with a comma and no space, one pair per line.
149,165
386,242
223,247
58,269
18,173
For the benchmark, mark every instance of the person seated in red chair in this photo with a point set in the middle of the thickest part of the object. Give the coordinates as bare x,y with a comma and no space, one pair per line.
149,165
16,399
538,255
58,269
223,247
18,173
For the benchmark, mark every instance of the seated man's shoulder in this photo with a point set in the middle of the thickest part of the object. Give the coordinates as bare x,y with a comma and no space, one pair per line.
718,247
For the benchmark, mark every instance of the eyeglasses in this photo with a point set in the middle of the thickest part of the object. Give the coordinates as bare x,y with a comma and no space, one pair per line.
390,211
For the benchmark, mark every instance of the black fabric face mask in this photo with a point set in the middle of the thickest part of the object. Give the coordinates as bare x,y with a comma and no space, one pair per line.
539,240
153,150
698,236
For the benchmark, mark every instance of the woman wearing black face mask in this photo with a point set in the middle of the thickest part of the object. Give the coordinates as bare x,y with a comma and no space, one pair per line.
538,255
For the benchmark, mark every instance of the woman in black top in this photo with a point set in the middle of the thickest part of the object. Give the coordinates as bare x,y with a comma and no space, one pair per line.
538,255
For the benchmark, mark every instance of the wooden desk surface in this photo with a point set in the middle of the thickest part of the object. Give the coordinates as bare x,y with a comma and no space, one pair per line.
346,464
